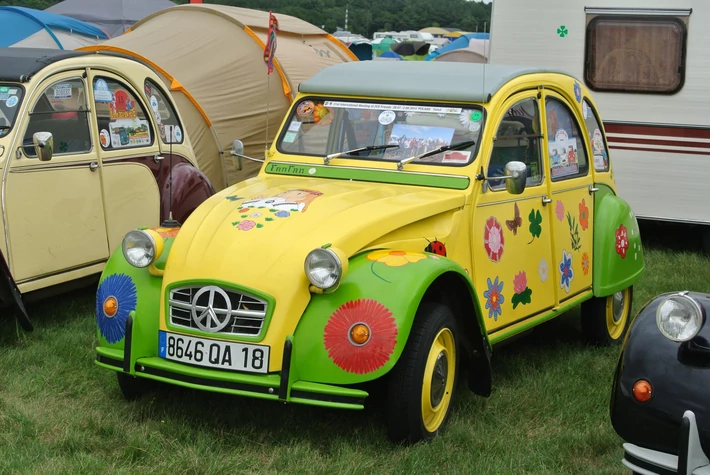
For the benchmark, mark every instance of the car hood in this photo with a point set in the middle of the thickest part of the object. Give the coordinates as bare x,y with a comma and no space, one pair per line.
258,233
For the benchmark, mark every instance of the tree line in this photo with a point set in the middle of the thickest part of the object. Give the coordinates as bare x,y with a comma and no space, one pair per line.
364,16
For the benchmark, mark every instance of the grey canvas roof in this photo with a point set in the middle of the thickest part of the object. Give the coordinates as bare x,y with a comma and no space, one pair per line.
20,64
424,80
112,16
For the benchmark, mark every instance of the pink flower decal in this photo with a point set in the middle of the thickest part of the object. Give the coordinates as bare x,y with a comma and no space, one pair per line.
493,239
376,351
560,210
246,225
622,241
520,282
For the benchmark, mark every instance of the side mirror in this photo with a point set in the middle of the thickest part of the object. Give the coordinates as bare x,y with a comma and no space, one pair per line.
238,152
516,174
44,145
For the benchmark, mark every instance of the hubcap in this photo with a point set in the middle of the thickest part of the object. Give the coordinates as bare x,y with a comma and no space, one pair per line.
618,306
438,379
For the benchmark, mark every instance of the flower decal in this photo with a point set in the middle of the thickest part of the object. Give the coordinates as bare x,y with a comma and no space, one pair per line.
395,258
166,232
566,272
380,334
577,92
255,215
494,298
574,232
543,270
493,239
115,298
535,227
562,31
522,292
622,241
560,210
282,214
583,215
585,263
245,225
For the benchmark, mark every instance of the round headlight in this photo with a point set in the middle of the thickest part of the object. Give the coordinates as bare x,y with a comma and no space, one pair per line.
323,268
139,248
680,317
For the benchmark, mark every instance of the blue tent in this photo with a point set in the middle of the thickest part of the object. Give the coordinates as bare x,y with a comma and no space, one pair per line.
460,42
25,27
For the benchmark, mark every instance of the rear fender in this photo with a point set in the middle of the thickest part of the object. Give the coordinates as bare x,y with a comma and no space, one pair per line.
190,187
10,295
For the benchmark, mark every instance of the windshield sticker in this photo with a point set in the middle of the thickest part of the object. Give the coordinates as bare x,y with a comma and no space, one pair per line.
122,106
12,101
387,117
4,96
294,126
101,91
154,103
105,138
129,133
290,137
563,155
62,91
456,157
322,115
392,107
175,134
476,116
585,110
12,91
4,89
305,108
417,139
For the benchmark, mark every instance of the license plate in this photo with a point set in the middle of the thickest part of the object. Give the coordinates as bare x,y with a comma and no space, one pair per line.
214,353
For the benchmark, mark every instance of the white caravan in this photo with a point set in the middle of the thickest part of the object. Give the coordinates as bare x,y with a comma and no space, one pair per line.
648,63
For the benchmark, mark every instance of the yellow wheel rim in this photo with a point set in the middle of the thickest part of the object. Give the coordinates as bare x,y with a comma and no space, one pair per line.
617,313
438,382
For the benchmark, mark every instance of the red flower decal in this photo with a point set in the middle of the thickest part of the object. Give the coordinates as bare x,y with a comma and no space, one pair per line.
622,241
493,239
583,215
376,351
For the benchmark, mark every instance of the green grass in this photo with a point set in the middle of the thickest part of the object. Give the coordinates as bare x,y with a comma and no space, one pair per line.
548,413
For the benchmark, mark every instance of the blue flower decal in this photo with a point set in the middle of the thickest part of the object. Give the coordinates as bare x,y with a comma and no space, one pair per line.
566,272
282,214
494,298
577,92
115,299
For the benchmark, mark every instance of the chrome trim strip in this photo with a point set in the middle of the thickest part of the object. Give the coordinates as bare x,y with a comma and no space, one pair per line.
638,11
53,166
129,157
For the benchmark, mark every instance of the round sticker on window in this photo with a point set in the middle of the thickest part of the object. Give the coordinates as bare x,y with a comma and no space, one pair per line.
177,134
105,138
387,117
154,103
158,117
476,116
12,101
474,127
305,108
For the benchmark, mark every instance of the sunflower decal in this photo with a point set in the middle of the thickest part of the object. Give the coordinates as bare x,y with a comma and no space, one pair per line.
360,336
115,299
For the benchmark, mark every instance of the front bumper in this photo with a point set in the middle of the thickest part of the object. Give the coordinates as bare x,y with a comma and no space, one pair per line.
283,386
691,459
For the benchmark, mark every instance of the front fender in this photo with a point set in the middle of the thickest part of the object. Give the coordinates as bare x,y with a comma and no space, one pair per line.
382,289
138,294
618,259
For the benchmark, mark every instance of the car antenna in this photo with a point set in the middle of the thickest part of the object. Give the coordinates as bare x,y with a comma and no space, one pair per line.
170,222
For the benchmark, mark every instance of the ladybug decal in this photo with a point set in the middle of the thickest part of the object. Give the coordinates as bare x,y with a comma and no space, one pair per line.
436,247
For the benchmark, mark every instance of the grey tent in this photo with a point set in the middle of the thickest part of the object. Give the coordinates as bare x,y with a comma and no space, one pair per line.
114,17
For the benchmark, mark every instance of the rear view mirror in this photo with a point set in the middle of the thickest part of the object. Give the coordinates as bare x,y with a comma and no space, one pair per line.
238,153
44,145
516,174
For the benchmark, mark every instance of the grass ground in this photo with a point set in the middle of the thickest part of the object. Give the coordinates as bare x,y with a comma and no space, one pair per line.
548,413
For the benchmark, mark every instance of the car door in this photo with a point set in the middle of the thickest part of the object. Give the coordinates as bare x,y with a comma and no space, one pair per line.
129,153
511,236
571,210
54,211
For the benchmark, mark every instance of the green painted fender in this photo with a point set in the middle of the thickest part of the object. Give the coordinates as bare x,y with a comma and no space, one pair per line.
618,258
382,289
138,294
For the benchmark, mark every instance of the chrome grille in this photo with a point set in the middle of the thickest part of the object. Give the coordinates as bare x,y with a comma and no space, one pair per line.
248,312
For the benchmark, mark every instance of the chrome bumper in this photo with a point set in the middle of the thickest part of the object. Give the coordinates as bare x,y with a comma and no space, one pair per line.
691,459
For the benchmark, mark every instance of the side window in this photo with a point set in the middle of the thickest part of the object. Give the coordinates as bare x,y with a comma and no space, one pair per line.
568,158
168,124
122,122
517,138
596,138
61,110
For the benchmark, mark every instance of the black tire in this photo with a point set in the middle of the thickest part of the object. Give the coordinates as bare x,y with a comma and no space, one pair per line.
405,391
133,388
600,325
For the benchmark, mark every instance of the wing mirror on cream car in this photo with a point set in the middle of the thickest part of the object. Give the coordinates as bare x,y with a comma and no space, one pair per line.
238,153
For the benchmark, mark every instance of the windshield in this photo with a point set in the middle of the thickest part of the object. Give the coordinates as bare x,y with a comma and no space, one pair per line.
10,98
326,127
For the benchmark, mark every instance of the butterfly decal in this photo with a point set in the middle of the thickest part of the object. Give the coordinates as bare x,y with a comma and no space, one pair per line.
515,223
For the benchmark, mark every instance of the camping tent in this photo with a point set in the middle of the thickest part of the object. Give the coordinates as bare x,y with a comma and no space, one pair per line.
475,42
461,55
28,28
211,58
112,16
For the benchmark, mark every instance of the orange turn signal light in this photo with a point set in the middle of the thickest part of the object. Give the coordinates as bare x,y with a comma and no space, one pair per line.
360,333
110,306
642,390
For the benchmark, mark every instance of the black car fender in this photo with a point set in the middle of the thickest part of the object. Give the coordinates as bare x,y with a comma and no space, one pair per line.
10,295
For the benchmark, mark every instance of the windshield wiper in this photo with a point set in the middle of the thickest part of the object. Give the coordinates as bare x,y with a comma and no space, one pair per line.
369,148
456,146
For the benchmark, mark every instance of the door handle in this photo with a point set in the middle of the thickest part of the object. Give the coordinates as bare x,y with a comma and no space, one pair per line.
158,158
546,200
93,166
592,189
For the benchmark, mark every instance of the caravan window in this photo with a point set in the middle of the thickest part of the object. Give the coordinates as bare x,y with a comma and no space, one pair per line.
635,54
